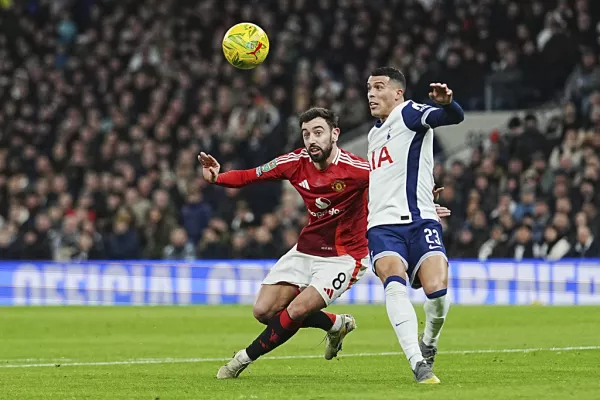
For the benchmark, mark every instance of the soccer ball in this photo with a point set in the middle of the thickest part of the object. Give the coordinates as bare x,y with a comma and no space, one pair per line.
245,45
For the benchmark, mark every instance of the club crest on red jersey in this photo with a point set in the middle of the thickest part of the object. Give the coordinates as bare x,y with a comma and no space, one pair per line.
338,185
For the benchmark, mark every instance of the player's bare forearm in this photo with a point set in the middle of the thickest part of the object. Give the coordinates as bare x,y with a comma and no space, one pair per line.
449,114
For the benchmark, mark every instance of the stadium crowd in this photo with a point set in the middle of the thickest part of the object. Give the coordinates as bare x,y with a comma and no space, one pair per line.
106,103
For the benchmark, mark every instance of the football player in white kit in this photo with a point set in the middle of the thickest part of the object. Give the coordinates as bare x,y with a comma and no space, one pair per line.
404,233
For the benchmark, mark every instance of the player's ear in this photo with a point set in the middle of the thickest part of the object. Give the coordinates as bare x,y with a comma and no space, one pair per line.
335,134
399,93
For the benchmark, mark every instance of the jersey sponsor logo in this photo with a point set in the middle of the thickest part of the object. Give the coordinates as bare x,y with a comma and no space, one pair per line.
258,171
338,185
331,211
322,203
378,160
268,166
304,184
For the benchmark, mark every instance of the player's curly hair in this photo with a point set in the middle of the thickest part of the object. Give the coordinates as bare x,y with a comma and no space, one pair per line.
329,116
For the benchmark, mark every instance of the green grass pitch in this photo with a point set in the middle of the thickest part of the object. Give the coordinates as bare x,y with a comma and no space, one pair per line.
174,353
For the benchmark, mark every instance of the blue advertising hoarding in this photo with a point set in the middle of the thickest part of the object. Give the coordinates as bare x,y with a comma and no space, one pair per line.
568,282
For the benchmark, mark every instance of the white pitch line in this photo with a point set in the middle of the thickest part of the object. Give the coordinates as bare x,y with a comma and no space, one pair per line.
300,357
34,359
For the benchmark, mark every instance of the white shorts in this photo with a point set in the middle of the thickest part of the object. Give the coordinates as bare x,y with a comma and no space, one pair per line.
331,276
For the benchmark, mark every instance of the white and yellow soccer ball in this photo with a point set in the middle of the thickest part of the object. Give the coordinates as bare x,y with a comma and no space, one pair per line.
245,45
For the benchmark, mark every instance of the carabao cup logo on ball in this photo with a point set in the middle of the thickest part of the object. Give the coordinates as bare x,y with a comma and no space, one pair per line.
245,45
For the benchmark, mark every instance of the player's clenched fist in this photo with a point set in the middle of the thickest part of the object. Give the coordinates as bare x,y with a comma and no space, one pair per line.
440,93
210,167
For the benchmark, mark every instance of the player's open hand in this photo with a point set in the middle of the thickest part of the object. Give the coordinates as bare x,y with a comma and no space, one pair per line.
210,167
436,193
440,93
442,211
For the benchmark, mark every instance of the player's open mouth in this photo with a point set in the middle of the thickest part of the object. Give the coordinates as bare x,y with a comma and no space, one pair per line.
314,150
372,104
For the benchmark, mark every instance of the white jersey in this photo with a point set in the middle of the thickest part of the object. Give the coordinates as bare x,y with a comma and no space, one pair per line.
400,152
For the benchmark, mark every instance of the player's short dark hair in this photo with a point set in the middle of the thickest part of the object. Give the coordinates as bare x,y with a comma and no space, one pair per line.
318,112
393,73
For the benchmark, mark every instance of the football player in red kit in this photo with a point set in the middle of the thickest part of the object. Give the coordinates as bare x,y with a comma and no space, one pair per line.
331,253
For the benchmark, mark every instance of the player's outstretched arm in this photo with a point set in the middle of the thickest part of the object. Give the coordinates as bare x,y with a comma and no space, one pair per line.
450,112
239,178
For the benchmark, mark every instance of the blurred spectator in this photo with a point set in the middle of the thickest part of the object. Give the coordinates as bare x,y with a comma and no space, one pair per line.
568,155
157,233
140,206
523,244
180,247
465,246
496,246
263,246
211,246
525,141
562,224
527,204
553,247
86,249
10,244
541,216
38,242
507,82
195,214
584,79
67,239
123,243
586,246
240,246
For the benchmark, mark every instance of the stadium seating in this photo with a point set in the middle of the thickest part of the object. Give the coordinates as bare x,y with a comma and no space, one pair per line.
106,104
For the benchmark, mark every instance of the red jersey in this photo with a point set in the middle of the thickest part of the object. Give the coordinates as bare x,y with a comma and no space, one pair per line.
336,199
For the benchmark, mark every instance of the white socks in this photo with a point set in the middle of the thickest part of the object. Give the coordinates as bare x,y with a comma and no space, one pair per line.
403,318
337,324
436,309
243,357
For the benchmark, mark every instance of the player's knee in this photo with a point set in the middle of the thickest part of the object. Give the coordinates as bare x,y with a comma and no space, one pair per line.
262,313
389,266
433,274
298,311
434,285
